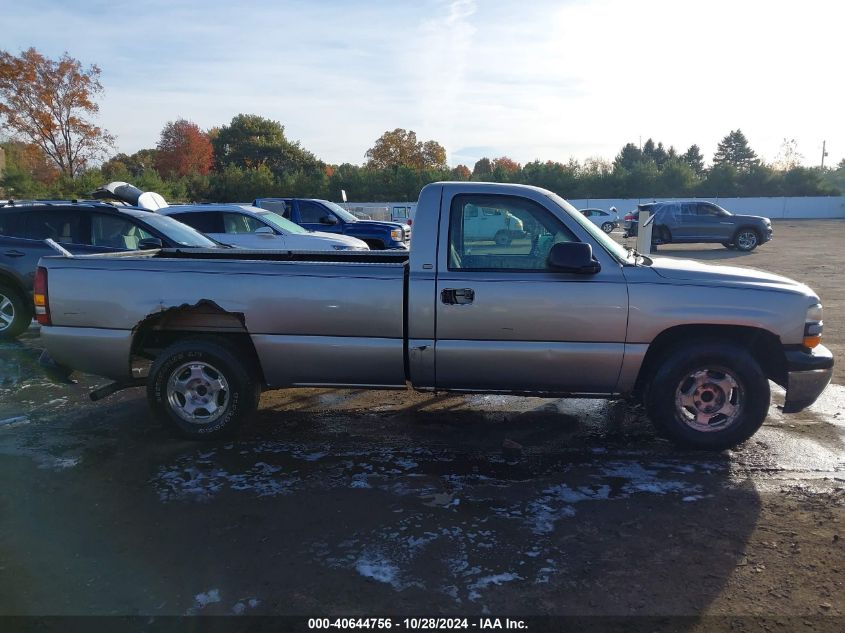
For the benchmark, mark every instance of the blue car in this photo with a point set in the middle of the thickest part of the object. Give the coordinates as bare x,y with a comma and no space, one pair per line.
328,217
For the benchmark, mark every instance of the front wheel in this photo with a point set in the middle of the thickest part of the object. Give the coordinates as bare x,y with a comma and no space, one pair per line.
201,389
607,227
708,395
15,313
503,238
746,240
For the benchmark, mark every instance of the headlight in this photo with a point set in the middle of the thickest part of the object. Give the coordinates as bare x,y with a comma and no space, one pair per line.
813,326
397,235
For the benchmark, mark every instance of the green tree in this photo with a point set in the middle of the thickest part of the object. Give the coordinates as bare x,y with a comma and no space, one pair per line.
734,150
694,159
628,157
129,167
250,141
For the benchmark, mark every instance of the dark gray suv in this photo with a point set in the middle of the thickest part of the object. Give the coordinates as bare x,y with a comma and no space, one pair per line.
82,228
680,222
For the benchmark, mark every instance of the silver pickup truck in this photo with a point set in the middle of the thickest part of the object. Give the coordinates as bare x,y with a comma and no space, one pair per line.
560,310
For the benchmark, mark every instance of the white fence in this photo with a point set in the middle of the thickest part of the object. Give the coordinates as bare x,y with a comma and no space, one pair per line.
775,208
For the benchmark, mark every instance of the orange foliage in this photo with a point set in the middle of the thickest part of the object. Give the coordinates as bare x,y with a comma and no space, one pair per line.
183,149
46,102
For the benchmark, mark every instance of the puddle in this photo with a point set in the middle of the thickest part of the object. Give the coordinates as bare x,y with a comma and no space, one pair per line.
25,391
456,513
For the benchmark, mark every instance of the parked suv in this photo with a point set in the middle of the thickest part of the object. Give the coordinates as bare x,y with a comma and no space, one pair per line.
325,216
697,221
81,228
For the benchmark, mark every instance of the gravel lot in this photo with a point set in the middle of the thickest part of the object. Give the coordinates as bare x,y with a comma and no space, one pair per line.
371,503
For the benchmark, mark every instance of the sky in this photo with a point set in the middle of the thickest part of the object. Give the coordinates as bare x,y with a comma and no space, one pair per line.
545,80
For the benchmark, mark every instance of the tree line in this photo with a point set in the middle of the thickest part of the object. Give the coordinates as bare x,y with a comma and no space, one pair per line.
55,150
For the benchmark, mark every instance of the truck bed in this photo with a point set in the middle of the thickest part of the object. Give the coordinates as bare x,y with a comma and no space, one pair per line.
310,315
349,257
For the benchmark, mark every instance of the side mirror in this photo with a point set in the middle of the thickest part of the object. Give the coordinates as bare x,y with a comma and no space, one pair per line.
149,243
264,230
573,257
328,219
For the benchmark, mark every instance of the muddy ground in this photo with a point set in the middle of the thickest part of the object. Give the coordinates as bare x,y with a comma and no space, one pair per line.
372,503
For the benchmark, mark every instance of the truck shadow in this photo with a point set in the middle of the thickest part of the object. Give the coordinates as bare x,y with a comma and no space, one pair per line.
380,502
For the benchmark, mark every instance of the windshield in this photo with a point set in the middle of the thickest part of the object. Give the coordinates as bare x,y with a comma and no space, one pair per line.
281,223
180,233
343,213
617,250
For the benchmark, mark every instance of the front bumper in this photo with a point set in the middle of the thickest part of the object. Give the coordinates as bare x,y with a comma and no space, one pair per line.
807,375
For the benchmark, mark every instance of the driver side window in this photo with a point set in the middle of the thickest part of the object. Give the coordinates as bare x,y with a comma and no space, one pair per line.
311,213
488,232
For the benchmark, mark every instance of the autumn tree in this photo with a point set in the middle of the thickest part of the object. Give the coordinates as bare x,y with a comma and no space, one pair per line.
734,150
183,149
461,172
483,169
50,103
400,148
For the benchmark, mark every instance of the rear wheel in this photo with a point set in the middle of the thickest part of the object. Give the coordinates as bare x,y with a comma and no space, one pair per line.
607,227
201,389
15,313
503,238
746,240
708,395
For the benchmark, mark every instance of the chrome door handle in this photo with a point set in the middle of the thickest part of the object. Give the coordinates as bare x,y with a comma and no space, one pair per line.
14,253
457,296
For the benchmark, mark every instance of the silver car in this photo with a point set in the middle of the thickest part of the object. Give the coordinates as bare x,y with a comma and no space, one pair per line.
245,226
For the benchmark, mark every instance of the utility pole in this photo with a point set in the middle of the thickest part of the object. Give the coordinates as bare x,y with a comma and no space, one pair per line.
824,153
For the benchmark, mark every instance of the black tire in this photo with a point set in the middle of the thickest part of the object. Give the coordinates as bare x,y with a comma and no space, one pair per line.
607,227
742,405
204,361
503,238
15,313
746,239
662,233
375,245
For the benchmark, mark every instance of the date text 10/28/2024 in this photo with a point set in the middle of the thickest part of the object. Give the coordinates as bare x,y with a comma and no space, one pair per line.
417,623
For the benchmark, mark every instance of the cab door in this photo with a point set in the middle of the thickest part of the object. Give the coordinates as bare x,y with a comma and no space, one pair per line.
313,216
506,322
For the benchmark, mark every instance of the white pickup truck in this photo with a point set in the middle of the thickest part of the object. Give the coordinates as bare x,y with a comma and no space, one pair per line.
562,310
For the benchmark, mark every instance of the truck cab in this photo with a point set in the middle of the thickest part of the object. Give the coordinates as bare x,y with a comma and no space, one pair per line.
328,217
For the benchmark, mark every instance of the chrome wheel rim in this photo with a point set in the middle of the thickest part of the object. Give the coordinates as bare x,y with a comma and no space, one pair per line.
746,240
7,313
607,227
198,392
709,399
